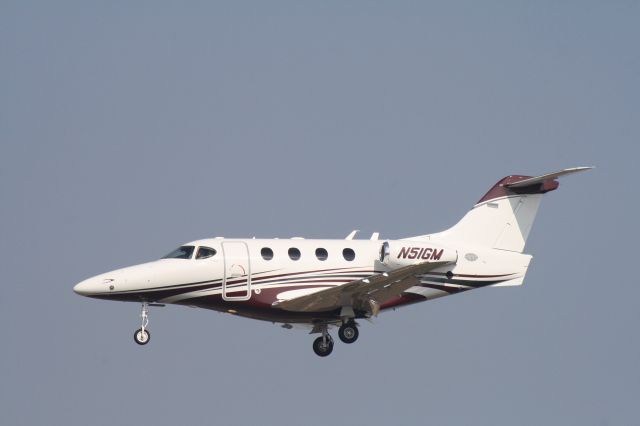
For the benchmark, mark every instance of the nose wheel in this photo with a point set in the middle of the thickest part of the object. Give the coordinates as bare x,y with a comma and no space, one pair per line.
142,335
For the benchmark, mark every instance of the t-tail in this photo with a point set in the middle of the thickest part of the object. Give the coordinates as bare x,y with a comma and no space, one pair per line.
502,219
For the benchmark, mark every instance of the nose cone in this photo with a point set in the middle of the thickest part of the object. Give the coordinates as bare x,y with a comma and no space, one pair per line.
89,287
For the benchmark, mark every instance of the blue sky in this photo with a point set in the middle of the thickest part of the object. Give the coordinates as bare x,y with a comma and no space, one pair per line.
129,128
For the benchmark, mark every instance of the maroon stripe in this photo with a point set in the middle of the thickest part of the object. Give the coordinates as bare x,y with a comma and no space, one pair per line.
277,284
265,280
309,272
499,190
450,290
471,276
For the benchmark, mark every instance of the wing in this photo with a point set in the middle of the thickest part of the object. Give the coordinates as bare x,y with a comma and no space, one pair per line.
366,294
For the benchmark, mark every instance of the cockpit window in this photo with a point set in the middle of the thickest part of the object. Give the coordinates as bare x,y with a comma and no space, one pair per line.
184,252
205,252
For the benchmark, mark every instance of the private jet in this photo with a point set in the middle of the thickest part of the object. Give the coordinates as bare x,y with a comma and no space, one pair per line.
327,284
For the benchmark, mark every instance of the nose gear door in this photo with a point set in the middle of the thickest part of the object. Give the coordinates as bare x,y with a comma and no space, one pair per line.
236,284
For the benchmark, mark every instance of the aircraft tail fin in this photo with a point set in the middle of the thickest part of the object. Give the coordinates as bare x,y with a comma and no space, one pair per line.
503,217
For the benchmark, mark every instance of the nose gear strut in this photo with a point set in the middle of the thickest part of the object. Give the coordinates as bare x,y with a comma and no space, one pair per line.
142,335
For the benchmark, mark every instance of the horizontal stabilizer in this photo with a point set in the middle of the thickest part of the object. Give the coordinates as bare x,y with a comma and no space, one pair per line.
549,176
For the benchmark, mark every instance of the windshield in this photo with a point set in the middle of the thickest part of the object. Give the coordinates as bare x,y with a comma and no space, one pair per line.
184,252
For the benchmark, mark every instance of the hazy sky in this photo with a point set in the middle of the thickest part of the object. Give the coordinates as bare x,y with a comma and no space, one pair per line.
128,128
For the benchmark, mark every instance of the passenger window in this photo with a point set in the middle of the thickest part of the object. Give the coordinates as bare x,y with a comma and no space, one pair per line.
184,252
321,254
205,253
267,253
348,254
294,253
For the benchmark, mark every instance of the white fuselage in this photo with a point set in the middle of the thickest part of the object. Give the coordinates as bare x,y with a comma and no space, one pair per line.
246,276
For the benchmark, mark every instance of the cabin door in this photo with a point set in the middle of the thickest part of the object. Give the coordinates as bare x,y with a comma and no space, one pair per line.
236,284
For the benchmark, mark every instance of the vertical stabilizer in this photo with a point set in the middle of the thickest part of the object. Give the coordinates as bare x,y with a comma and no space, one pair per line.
503,218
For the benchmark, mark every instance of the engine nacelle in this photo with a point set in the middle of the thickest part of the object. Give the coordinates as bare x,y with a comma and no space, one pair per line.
396,254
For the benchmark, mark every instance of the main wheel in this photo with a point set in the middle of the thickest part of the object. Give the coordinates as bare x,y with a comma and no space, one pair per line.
142,337
348,333
321,348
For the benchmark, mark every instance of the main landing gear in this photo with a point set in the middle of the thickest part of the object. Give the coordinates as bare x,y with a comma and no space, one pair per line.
142,335
323,345
348,332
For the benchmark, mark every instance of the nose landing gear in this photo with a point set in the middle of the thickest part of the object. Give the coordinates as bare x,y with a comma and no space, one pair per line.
142,335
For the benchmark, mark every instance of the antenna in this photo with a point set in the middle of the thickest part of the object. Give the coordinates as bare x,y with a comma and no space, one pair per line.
352,234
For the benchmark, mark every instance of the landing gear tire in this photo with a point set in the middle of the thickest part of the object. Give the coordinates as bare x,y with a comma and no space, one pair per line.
141,336
323,346
348,333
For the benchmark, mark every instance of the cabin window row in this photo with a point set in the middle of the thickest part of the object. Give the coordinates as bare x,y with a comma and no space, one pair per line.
186,252
321,254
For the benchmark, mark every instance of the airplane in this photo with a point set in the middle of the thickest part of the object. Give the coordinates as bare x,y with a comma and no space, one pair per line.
323,284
